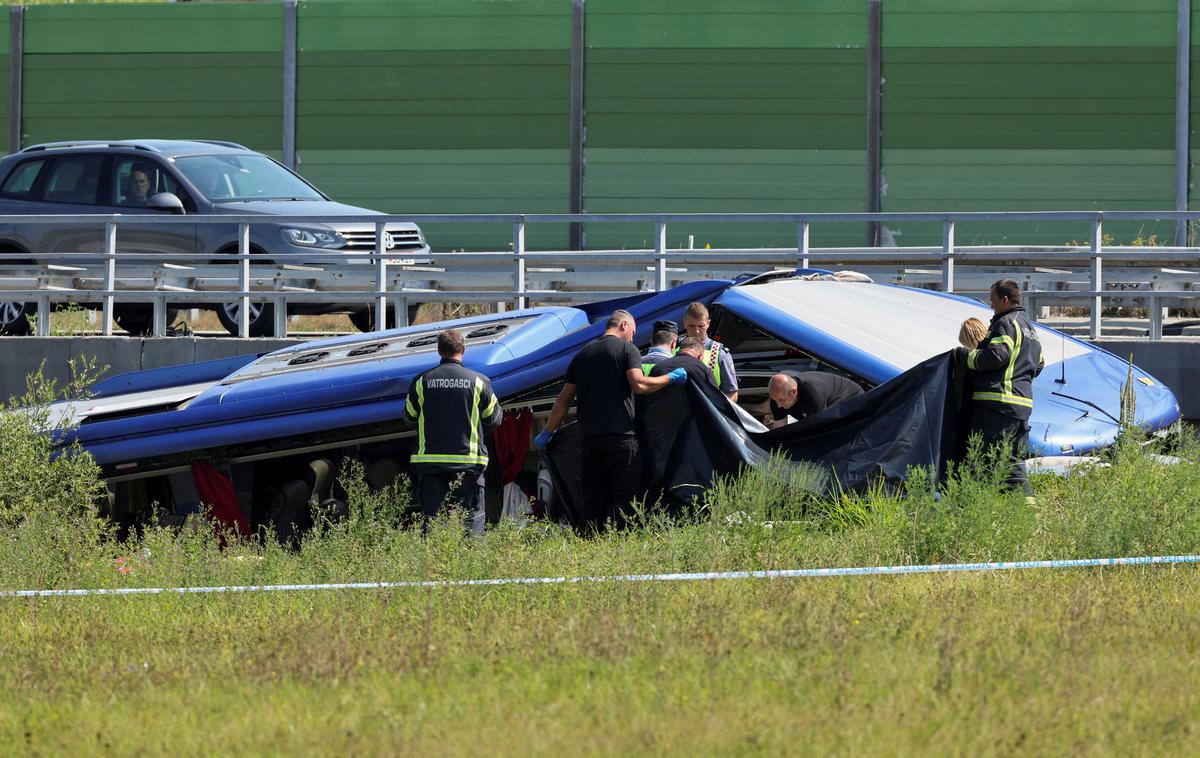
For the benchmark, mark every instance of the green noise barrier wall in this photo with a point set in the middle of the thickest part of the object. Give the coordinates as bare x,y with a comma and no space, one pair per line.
465,106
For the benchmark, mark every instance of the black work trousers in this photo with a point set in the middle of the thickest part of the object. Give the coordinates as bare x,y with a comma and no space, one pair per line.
996,428
611,473
464,488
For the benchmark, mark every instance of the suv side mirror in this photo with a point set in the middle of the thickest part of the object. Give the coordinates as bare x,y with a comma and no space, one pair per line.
166,201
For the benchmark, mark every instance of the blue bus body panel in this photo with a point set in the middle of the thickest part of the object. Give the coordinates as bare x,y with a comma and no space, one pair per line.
246,410
171,376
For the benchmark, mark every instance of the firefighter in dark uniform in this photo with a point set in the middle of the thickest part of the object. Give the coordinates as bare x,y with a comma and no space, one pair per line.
453,408
1002,372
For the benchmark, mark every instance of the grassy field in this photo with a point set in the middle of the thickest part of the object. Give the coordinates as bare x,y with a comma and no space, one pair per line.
1087,662
1081,661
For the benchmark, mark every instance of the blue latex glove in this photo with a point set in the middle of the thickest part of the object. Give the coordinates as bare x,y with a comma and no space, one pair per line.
543,439
677,376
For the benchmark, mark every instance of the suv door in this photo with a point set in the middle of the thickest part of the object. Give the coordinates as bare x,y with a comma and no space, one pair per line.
132,181
19,189
67,185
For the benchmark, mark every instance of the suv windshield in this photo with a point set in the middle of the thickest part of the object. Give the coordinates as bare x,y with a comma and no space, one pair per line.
230,178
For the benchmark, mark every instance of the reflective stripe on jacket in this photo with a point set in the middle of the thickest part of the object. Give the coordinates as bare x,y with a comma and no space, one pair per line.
452,407
652,358
1005,364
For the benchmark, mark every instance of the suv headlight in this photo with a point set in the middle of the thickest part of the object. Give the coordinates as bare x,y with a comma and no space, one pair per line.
312,237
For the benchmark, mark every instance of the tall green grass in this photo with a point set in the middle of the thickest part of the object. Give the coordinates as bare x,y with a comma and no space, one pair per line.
1049,662
765,518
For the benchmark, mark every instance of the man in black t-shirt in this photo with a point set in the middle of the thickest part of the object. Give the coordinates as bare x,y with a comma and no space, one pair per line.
603,377
800,394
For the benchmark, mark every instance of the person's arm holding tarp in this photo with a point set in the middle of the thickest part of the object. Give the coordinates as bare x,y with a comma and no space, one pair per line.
561,403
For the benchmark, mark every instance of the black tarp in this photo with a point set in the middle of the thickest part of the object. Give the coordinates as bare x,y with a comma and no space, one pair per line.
690,435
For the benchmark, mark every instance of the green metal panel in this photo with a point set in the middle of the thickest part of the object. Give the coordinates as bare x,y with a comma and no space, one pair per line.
188,70
713,24
449,181
436,99
725,107
1021,24
455,106
1020,105
155,28
437,25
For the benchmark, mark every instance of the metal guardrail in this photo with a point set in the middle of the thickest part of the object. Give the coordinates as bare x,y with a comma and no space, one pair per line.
1155,277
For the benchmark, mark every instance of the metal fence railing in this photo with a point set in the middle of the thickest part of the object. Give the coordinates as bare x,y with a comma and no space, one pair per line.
110,273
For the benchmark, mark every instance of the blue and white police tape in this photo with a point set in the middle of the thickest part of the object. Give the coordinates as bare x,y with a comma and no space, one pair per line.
931,568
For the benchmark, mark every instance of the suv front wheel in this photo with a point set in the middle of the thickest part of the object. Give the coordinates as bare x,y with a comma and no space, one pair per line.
14,317
262,318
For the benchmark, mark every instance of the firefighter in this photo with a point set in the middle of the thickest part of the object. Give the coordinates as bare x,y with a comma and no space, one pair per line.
716,356
452,407
1003,368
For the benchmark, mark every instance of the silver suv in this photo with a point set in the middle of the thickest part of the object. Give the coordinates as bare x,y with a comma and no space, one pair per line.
197,177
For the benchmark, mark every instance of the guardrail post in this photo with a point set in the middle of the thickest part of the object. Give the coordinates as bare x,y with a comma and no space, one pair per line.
159,327
43,315
244,280
110,278
802,244
1097,277
380,277
1156,318
519,265
660,251
948,256
279,328
401,308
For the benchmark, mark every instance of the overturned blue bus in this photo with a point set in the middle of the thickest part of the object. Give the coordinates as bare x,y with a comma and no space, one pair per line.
274,428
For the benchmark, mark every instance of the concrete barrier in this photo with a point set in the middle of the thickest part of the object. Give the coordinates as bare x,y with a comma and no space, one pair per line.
21,356
1175,361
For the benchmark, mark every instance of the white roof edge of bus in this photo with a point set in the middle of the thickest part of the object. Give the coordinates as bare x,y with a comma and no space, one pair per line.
899,325
75,411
